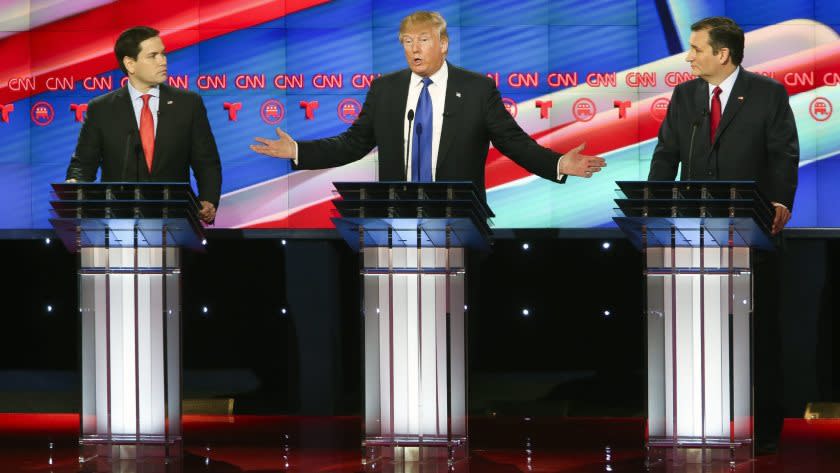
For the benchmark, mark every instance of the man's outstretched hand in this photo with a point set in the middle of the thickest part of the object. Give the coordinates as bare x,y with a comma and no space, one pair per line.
575,163
283,147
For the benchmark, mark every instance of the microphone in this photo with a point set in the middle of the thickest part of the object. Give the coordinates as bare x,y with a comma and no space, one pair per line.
132,143
408,140
696,123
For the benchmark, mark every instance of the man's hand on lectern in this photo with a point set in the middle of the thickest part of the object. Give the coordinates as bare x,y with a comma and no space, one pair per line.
208,212
781,219
284,147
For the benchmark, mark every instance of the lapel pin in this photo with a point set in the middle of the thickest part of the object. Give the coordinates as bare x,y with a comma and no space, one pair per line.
458,94
741,98
170,102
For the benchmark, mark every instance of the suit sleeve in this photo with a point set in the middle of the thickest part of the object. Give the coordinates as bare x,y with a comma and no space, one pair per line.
354,144
666,155
204,156
509,138
87,157
782,150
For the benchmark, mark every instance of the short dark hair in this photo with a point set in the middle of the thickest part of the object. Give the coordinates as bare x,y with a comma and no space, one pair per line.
128,43
723,33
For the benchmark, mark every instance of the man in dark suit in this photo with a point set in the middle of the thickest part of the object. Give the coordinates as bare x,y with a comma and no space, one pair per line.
755,136
463,110
148,131
743,129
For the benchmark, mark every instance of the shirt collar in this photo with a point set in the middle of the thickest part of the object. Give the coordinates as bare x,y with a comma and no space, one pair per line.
136,94
727,84
438,77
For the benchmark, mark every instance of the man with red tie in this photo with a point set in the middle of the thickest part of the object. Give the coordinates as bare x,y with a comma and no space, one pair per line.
741,128
148,131
743,124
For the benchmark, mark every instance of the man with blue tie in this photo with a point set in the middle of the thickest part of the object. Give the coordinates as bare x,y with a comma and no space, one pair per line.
449,117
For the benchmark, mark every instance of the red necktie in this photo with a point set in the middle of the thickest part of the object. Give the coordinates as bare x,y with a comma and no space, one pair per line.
714,119
147,131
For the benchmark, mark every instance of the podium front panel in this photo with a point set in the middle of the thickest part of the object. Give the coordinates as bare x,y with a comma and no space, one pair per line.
415,353
131,357
699,303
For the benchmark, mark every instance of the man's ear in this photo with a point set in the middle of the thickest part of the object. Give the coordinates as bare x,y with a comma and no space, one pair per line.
129,64
724,55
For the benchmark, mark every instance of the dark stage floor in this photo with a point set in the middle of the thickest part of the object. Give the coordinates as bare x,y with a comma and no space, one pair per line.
47,443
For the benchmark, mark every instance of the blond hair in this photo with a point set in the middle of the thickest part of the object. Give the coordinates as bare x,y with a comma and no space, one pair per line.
431,18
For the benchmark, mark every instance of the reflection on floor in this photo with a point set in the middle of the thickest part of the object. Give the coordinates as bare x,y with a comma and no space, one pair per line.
217,444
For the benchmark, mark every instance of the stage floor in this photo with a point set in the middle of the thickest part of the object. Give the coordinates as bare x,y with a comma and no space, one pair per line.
216,444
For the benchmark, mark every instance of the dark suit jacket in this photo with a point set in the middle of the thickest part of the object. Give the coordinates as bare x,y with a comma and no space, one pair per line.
470,122
110,138
755,140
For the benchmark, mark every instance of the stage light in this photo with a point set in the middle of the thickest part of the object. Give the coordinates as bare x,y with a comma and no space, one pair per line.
526,312
283,311
205,310
605,245
47,241
606,313
283,242
526,246
465,306
204,242
49,308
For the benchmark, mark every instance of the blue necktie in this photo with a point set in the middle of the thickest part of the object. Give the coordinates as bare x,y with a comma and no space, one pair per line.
421,150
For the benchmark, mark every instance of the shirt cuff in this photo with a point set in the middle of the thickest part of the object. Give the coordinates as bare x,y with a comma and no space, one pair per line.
560,175
295,155
776,204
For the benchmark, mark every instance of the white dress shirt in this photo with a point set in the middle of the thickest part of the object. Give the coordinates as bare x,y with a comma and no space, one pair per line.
437,92
137,103
725,90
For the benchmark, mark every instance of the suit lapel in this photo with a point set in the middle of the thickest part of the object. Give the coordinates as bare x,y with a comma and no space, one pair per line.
451,108
396,115
125,111
166,116
734,103
701,105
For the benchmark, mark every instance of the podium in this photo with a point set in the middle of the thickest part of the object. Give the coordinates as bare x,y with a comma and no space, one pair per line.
696,239
411,238
128,237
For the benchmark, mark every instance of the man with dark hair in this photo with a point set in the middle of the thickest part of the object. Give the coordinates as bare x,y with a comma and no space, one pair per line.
148,131
450,114
744,130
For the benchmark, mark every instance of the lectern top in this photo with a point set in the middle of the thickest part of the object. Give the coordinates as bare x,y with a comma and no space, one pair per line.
125,191
126,214
692,190
437,191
